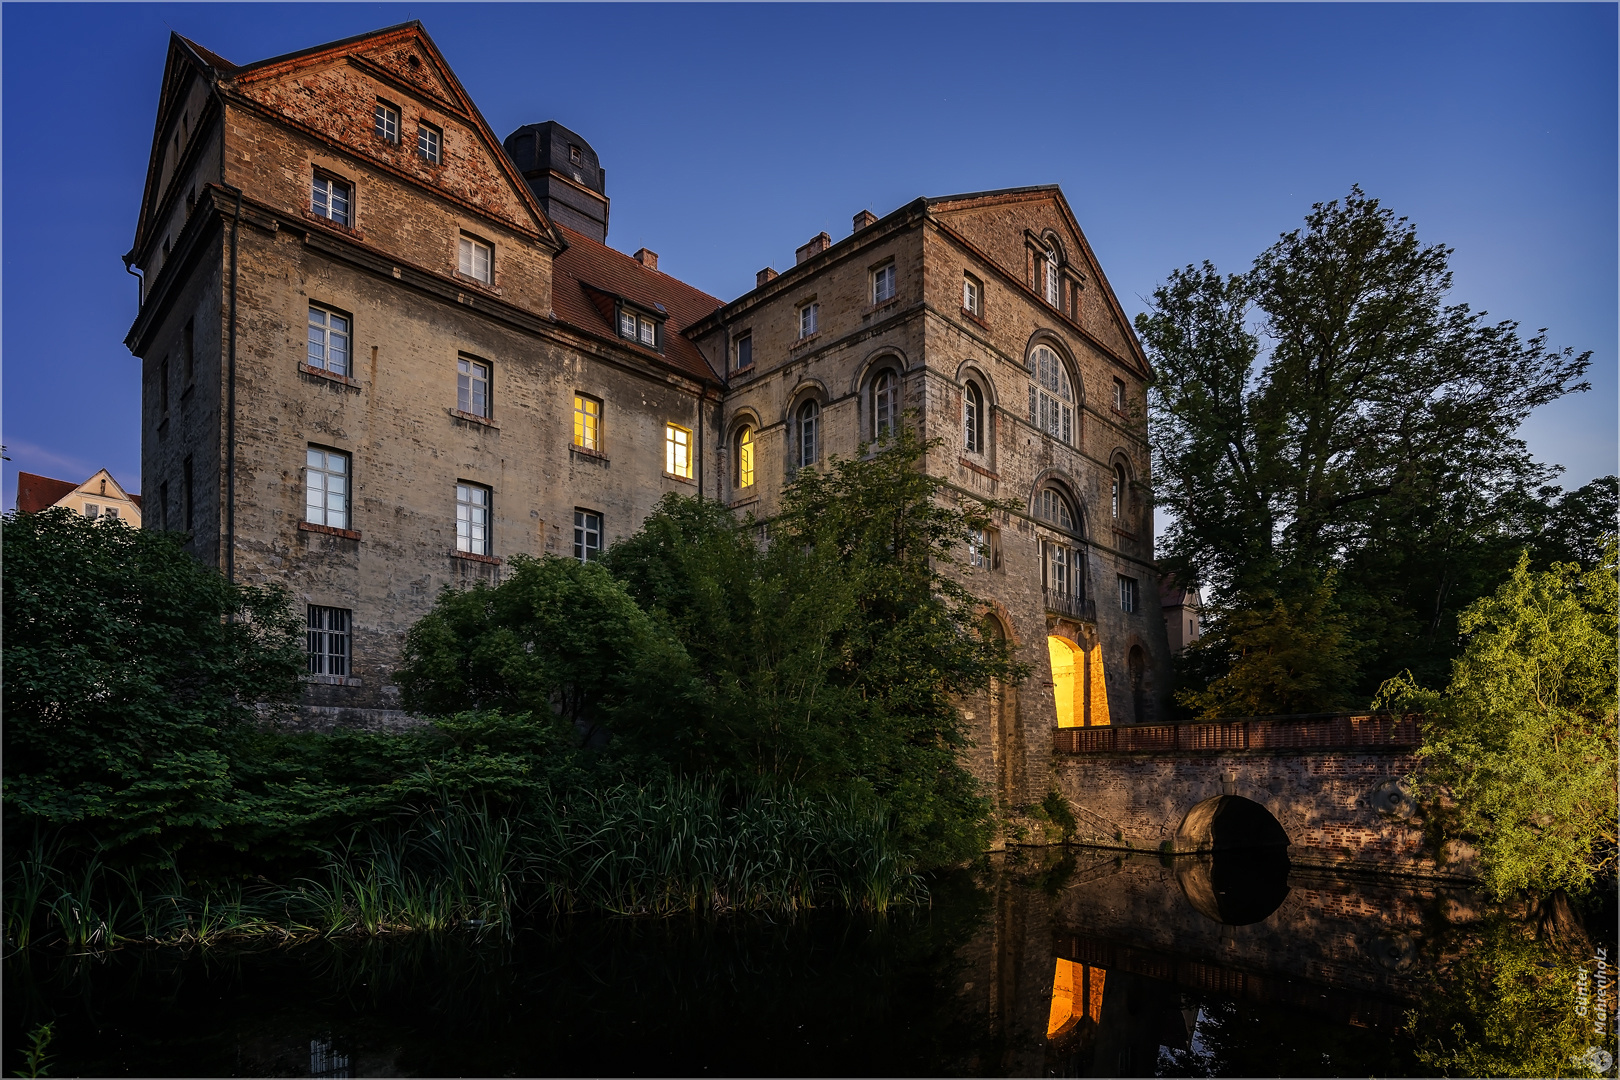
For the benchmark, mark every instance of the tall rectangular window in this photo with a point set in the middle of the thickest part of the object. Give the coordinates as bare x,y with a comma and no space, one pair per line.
329,640
386,124
1119,395
187,495
972,295
330,199
587,535
1127,593
807,319
326,488
883,283
745,352
677,451
429,143
979,549
587,423
472,519
328,341
1053,293
472,386
477,260
163,387
188,352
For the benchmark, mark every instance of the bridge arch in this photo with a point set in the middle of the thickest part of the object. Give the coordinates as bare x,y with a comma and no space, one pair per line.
1229,823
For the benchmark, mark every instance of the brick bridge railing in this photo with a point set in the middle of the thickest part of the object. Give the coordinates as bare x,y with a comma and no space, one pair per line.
1284,733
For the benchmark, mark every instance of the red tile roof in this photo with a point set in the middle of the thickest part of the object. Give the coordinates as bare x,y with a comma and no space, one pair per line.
36,493
587,263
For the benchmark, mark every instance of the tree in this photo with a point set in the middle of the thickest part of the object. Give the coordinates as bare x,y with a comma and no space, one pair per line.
129,666
1327,410
1521,744
1576,522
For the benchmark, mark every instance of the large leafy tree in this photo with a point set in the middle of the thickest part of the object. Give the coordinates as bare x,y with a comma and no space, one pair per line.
1329,410
1520,748
130,669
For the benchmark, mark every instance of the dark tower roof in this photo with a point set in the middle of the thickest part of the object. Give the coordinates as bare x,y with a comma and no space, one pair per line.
563,172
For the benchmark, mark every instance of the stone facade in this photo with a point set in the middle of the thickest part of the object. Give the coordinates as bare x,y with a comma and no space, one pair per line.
357,185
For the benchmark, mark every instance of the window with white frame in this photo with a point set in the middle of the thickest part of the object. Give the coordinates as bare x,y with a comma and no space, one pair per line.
973,419
677,451
1051,395
92,511
429,143
972,295
979,545
1054,294
1052,506
587,535
883,283
807,424
326,487
807,319
472,386
387,122
329,640
472,519
639,328
111,513
1119,492
328,341
587,423
331,198
1127,593
885,404
1119,395
477,260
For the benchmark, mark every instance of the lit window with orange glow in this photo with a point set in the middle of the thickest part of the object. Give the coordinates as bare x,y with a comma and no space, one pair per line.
745,458
587,423
677,451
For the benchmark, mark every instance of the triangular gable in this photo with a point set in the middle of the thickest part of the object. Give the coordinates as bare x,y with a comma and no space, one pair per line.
999,224
185,64
406,62
91,488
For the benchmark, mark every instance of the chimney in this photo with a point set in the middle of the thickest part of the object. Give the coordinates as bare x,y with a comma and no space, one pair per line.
646,258
863,219
818,243
764,277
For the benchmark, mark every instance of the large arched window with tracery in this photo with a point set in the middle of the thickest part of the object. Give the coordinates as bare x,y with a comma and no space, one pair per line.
1063,560
885,404
807,432
1051,395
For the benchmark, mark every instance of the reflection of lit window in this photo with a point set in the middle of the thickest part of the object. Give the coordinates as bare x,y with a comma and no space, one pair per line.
1077,994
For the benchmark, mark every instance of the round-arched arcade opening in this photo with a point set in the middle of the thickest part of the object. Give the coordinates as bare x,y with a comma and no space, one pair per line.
1237,872
1229,823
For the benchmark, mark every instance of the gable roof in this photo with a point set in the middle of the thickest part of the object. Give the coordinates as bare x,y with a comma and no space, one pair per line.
586,265
36,493
1038,192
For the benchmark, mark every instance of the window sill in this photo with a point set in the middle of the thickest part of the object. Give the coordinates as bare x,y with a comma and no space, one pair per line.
1119,413
335,680
330,376
975,318
480,285
474,418
802,342
1126,533
679,477
594,455
310,526
328,223
873,309
490,560
973,466
749,370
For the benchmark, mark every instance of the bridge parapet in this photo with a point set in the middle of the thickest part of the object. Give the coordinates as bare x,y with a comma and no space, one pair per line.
1364,731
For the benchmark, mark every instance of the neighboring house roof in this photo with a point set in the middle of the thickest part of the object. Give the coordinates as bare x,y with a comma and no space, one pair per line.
587,265
1172,594
36,493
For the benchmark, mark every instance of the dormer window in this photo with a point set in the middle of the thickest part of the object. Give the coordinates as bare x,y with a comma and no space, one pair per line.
640,328
574,154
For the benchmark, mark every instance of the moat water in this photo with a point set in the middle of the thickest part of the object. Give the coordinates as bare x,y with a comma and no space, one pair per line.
1046,964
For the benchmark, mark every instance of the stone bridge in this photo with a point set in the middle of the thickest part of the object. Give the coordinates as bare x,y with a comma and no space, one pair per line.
1333,789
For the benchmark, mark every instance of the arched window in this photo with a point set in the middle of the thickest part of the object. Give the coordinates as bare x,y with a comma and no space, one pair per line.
973,419
885,402
1051,506
745,457
1051,395
1119,492
807,425
1053,295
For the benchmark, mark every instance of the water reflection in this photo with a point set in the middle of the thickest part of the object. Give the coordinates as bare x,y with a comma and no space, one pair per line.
1077,964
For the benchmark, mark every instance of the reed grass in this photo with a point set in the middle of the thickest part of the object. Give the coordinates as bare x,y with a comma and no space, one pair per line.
658,849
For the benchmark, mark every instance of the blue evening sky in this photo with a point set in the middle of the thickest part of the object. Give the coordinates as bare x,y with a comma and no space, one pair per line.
731,134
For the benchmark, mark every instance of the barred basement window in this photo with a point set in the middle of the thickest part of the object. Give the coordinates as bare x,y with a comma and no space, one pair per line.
329,640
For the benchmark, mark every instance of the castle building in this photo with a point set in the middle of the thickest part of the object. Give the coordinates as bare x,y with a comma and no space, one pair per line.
384,351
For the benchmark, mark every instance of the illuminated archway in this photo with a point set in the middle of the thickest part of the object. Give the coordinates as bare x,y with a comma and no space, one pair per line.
1078,689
